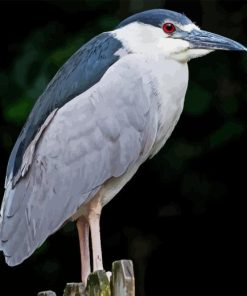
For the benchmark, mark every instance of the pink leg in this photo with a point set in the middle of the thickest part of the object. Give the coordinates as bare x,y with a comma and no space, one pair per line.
94,219
83,231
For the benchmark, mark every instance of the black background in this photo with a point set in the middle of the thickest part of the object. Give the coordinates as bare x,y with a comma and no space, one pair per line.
181,218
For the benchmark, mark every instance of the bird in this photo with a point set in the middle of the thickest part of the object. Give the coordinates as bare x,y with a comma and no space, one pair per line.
108,109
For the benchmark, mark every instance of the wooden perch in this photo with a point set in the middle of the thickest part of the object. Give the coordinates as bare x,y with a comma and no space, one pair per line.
47,293
123,281
74,289
99,283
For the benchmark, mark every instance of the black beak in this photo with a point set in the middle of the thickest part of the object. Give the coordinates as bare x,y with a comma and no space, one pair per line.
200,39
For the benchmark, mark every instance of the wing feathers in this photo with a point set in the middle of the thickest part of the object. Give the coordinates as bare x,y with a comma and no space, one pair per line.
97,135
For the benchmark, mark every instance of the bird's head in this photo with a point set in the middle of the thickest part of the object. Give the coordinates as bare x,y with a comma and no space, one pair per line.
171,34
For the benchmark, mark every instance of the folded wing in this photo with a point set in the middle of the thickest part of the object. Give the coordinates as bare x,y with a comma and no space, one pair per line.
98,135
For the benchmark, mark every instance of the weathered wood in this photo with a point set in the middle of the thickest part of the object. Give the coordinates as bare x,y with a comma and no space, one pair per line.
98,284
47,293
123,280
74,289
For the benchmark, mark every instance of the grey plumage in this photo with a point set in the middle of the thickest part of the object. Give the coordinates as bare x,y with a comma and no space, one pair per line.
79,73
105,135
110,107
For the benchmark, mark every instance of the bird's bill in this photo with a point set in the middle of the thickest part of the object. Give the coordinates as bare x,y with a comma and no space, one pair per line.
200,39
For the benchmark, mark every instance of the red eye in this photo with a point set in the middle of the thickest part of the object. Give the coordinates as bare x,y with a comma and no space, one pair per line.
169,28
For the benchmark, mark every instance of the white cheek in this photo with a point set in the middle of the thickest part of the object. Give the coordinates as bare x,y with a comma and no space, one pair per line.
171,45
138,38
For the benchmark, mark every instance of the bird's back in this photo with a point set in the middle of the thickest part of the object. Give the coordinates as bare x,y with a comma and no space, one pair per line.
83,69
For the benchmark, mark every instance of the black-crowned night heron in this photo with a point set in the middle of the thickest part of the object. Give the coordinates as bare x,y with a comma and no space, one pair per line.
111,106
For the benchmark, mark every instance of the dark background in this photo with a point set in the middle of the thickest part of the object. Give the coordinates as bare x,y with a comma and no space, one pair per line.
180,219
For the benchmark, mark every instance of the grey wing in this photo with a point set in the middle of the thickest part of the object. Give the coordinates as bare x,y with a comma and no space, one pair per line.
98,135
83,69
